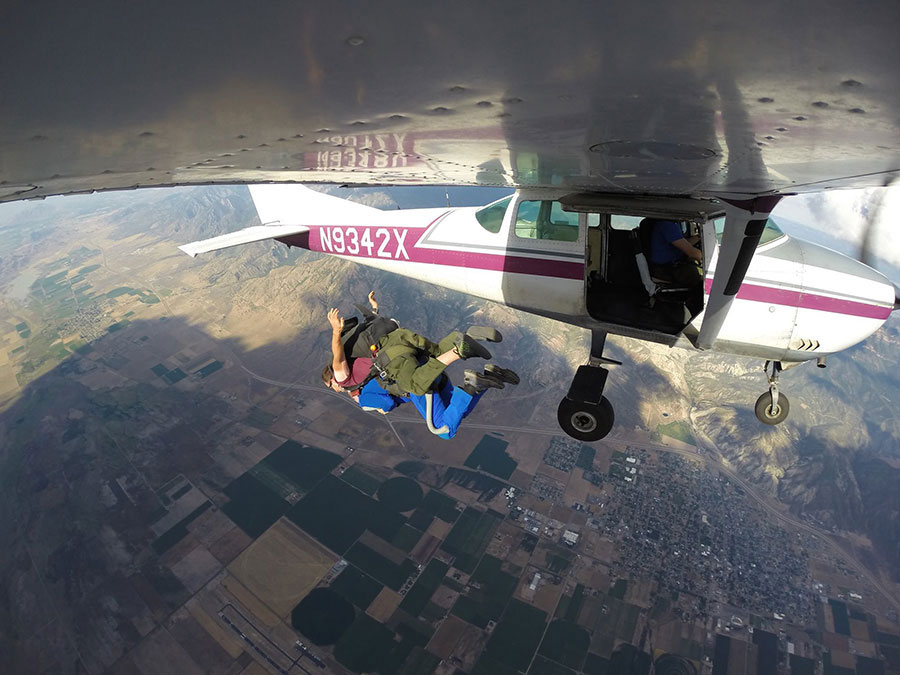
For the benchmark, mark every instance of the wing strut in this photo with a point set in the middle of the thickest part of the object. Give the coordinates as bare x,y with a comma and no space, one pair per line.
744,224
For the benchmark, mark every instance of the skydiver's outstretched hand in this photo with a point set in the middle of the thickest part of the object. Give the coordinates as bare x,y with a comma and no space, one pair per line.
334,318
373,302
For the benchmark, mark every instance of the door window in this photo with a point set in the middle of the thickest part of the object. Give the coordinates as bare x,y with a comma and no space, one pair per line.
545,219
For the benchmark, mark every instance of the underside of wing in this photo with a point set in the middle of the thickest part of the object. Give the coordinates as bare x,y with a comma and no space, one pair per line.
325,92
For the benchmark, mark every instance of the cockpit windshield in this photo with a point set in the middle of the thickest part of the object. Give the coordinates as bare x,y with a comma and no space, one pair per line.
770,233
491,216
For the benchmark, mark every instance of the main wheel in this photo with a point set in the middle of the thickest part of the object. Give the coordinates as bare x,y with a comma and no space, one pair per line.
586,421
766,414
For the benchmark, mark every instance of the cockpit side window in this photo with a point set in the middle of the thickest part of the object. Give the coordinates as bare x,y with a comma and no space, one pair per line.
491,216
545,219
770,233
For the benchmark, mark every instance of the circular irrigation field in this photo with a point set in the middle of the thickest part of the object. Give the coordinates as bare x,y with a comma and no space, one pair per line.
323,616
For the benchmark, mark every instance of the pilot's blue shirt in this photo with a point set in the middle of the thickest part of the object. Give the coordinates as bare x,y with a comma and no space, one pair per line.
661,250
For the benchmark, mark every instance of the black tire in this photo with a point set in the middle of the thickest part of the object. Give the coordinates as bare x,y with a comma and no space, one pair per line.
766,415
586,421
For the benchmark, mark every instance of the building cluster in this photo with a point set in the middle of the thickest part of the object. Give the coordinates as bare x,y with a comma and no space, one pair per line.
562,453
694,532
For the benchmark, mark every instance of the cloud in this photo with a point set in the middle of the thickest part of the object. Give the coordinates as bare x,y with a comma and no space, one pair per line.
840,219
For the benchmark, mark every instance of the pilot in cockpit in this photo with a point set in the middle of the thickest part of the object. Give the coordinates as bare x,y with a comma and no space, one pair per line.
673,256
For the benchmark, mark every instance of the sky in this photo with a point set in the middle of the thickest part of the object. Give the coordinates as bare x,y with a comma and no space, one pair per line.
838,219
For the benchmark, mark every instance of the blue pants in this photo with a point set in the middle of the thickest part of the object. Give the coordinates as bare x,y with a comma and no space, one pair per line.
450,405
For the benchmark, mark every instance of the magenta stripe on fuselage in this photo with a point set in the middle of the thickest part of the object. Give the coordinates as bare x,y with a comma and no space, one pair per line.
407,252
559,269
822,303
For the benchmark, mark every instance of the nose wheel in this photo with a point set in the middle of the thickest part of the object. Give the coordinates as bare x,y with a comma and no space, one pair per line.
772,407
585,414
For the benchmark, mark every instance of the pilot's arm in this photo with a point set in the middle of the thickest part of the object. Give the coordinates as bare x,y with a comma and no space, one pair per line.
686,247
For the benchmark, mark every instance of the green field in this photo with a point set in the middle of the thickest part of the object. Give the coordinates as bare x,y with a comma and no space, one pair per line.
377,566
144,296
490,455
419,662
178,531
427,583
208,370
558,559
174,376
439,505
323,616
400,494
357,587
303,465
595,664
369,647
470,536
570,605
253,507
542,666
565,642
514,640
484,604
259,418
679,430
337,514
360,480
407,538
586,458
420,520
617,623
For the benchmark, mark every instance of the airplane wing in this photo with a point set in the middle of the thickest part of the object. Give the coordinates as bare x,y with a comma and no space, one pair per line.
665,98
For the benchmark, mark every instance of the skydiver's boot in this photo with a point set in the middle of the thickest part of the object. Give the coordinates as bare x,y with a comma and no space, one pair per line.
475,383
467,346
484,333
502,374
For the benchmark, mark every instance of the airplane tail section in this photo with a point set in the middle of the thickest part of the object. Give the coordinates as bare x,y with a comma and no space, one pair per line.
297,204
245,236
286,210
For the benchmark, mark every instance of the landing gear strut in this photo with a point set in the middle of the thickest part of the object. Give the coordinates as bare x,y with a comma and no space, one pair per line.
772,408
585,414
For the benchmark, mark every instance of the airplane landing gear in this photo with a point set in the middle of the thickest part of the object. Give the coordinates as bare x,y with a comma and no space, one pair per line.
586,421
772,408
585,414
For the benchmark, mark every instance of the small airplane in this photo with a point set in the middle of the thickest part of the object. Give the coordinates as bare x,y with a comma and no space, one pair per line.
581,258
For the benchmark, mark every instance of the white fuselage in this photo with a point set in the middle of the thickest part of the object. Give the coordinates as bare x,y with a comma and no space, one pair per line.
798,301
